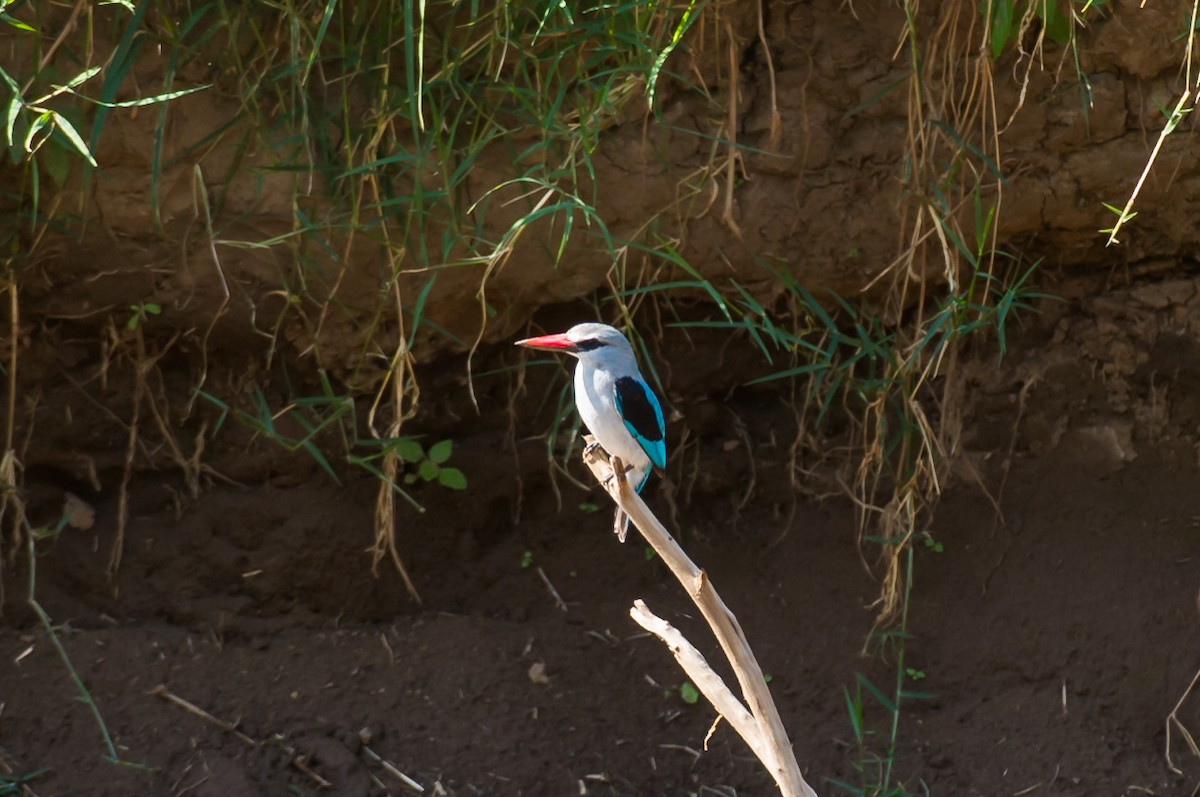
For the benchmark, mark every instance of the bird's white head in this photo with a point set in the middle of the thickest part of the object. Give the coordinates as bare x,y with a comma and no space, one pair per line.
588,342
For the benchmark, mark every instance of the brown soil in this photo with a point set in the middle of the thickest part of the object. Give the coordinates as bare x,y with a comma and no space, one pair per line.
1054,638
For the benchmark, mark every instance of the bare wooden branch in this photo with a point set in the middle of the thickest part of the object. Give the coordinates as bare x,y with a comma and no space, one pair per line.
698,670
767,736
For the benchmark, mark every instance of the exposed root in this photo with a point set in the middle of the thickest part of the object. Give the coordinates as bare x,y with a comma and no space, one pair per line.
385,525
1174,725
142,366
403,399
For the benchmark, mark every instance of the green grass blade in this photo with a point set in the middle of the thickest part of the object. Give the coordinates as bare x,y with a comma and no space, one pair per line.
883,700
123,59
72,135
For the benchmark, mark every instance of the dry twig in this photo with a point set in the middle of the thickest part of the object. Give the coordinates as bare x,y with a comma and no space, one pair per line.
1174,724
759,724
297,760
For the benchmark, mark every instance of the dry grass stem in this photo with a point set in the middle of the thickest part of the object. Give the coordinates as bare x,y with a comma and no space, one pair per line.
731,127
558,601
298,761
404,403
393,770
768,738
1127,211
1174,724
193,709
385,525
8,462
139,389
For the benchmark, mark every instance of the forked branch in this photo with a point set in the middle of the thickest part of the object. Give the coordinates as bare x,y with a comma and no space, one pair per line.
757,720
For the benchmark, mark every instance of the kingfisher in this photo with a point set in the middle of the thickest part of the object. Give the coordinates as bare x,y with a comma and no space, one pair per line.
613,399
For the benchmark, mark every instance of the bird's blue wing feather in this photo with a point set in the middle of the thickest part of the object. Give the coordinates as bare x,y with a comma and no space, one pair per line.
643,417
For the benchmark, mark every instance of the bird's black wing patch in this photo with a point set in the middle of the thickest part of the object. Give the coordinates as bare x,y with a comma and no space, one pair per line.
637,408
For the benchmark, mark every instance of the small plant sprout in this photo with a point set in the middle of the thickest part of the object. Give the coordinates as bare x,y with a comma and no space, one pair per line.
930,543
141,312
431,466
688,693
526,560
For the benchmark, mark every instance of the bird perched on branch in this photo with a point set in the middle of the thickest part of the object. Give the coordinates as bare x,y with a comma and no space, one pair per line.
613,399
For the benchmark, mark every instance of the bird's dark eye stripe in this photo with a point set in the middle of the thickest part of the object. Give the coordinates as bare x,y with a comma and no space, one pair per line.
590,344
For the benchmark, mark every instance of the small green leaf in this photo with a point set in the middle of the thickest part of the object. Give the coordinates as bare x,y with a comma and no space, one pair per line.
1002,13
81,78
589,507
408,449
410,478
526,559
452,478
14,107
73,136
16,23
440,452
41,121
428,470
156,99
688,693
650,553
12,84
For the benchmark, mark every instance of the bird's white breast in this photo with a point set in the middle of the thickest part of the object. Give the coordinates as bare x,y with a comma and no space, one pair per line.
596,400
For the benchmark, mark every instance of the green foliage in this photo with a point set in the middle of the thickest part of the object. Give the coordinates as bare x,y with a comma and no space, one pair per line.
83,694
29,124
141,312
1008,17
688,693
848,356
1056,19
431,465
336,417
16,784
443,85
874,766
382,120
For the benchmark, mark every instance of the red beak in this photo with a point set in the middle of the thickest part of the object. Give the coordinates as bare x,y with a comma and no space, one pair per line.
559,342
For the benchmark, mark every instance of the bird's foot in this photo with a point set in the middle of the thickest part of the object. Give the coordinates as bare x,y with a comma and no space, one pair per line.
619,470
